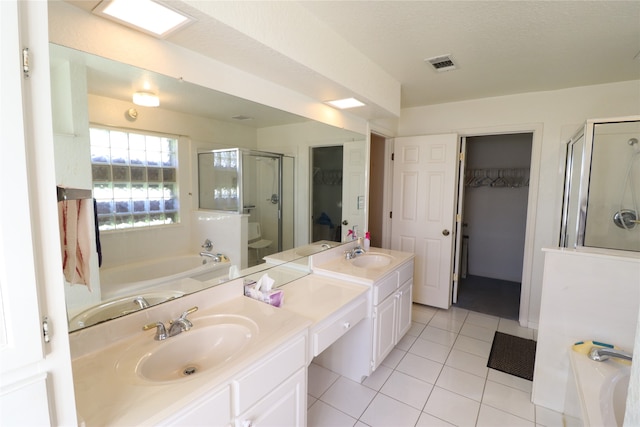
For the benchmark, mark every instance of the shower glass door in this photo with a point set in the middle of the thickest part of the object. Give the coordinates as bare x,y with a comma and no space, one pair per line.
263,202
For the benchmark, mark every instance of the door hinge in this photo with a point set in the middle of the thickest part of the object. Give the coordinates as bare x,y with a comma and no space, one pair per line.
393,156
45,330
455,277
458,218
25,62
390,214
461,156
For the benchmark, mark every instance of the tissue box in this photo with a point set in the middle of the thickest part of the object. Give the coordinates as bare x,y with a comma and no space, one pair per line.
274,298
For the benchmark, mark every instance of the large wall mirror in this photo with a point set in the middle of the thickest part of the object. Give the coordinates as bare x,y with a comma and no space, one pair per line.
141,166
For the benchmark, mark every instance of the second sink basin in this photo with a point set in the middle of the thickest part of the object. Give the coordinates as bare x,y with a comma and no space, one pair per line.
372,260
211,343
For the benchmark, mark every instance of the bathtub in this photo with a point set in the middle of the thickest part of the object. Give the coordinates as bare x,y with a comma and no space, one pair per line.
601,389
163,272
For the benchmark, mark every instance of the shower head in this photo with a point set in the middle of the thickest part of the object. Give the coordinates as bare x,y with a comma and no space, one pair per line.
633,142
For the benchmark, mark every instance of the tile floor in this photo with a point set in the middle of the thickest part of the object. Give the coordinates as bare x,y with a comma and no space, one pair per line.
436,376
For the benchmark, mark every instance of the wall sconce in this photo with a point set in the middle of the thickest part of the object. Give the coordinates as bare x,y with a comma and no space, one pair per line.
146,99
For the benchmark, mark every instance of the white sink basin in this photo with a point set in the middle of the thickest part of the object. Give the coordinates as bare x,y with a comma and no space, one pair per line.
119,306
312,249
211,343
371,260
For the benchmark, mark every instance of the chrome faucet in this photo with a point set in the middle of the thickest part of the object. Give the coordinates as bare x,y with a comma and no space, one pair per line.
214,257
600,354
141,302
178,326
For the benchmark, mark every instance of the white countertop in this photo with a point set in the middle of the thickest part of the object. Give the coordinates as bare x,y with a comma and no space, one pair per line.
341,268
317,297
105,397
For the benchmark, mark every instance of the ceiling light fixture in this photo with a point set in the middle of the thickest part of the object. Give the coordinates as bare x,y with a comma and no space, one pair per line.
145,15
146,99
346,103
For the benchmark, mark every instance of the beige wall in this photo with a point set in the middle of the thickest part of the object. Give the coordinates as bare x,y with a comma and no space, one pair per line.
557,115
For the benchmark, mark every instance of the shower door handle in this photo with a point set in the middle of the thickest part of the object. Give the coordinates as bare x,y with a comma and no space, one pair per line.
445,232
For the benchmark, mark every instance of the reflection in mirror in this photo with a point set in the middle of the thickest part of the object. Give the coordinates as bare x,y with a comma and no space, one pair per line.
157,243
601,197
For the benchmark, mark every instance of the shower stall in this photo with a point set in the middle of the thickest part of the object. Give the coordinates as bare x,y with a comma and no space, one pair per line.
258,185
601,206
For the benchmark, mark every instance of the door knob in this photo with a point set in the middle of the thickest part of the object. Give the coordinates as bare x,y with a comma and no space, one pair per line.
445,232
345,222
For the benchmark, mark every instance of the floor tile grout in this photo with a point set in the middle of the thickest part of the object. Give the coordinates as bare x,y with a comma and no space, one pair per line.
457,318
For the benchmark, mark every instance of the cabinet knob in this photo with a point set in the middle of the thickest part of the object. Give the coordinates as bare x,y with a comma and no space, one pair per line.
347,325
247,423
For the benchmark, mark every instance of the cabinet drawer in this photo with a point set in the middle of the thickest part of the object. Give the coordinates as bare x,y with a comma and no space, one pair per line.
327,335
268,375
385,287
405,272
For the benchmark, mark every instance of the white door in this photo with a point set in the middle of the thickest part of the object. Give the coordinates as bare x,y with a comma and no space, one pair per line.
29,369
424,196
354,158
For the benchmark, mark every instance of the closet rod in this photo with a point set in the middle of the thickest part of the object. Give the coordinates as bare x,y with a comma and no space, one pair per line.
72,193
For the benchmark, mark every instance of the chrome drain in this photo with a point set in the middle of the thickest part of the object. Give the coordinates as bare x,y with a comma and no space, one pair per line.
190,370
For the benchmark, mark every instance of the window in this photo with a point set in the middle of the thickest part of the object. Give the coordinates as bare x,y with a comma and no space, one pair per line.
134,179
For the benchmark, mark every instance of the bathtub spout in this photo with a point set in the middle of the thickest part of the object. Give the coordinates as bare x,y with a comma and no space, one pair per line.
601,354
141,302
214,257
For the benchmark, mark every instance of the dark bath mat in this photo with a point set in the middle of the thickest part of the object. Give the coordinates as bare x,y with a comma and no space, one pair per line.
513,355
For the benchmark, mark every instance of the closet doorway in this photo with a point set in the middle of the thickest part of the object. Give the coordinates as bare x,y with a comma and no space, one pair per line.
494,217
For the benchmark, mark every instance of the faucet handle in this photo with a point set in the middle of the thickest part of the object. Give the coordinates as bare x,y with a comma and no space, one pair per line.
208,245
188,312
161,331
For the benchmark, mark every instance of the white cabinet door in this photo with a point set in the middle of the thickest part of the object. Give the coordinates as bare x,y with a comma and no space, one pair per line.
25,374
20,339
384,329
424,179
285,406
405,304
213,410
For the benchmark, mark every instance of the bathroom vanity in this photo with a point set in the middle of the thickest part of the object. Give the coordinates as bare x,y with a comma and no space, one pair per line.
389,276
244,362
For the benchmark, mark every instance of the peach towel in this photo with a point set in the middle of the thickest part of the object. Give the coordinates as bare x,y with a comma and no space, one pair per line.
75,225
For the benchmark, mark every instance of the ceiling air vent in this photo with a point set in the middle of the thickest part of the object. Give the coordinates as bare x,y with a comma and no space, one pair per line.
242,117
442,63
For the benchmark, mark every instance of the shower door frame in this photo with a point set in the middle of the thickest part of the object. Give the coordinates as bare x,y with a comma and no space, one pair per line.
243,209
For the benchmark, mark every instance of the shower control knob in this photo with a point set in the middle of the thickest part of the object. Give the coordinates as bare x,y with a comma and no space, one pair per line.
345,222
445,232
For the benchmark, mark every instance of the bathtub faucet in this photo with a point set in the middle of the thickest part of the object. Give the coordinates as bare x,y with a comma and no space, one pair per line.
214,257
141,302
600,354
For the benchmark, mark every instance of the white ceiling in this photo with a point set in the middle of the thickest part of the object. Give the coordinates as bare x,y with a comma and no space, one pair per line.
500,47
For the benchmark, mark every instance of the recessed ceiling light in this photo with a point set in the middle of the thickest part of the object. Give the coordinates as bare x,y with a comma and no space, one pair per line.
145,15
146,99
345,103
